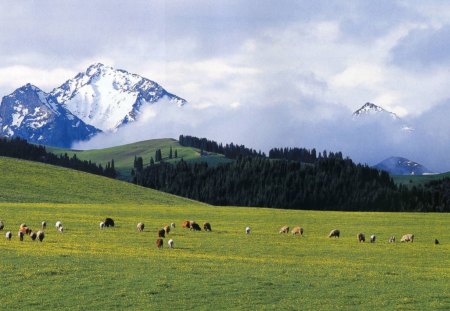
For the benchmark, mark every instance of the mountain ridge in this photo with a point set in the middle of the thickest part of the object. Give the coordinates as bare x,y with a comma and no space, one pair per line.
100,99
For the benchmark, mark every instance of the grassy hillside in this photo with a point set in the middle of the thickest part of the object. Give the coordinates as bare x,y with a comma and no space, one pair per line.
24,181
124,155
419,179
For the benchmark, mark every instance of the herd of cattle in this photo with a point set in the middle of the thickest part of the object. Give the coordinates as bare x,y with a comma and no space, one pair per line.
191,225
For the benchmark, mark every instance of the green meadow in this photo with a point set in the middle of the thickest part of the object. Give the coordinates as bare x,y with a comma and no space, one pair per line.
124,155
119,268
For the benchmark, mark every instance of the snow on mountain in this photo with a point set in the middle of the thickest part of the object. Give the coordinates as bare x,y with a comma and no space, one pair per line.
372,111
108,98
99,99
402,166
30,113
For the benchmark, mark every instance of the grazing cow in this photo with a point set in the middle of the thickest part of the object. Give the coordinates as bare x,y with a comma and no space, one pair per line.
8,235
41,235
2,225
186,224
297,230
392,239
20,235
102,225
172,225
109,222
167,229
33,235
162,233
170,242
361,237
334,233
140,226
195,226
284,229
43,225
436,241
207,226
159,243
247,230
58,224
24,229
373,238
407,238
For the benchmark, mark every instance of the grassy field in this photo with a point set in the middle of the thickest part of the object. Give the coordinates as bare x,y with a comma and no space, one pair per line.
124,155
411,181
119,268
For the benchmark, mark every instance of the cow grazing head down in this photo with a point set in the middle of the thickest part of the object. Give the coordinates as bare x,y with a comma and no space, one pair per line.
159,243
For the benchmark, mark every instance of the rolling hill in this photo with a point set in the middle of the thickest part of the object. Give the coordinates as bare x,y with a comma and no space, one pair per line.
29,182
124,155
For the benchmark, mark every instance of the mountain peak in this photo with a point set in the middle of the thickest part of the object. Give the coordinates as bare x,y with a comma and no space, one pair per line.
370,108
108,98
402,166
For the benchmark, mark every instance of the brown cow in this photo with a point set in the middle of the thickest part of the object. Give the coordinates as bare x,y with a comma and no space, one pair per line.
159,243
297,230
186,224
284,229
407,238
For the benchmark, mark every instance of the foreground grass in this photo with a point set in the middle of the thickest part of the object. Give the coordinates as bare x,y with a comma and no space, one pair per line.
119,268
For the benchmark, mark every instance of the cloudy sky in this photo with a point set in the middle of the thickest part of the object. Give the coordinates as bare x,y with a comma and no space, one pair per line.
262,73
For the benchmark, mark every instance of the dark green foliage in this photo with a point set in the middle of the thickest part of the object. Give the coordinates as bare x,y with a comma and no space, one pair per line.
302,154
158,155
19,148
330,184
230,151
170,153
176,154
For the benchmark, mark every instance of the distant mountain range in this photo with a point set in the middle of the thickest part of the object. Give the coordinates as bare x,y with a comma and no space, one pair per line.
402,166
101,99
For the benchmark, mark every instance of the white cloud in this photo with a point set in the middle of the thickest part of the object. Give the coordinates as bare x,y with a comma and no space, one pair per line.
13,77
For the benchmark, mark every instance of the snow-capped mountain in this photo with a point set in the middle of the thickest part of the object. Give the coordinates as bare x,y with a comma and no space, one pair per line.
99,99
108,98
372,111
402,166
29,113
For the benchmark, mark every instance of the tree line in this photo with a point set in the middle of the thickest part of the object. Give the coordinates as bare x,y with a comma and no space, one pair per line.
330,184
302,154
19,148
231,151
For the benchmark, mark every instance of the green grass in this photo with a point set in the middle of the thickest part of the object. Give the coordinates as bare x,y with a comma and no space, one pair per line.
119,268
124,155
24,181
418,180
